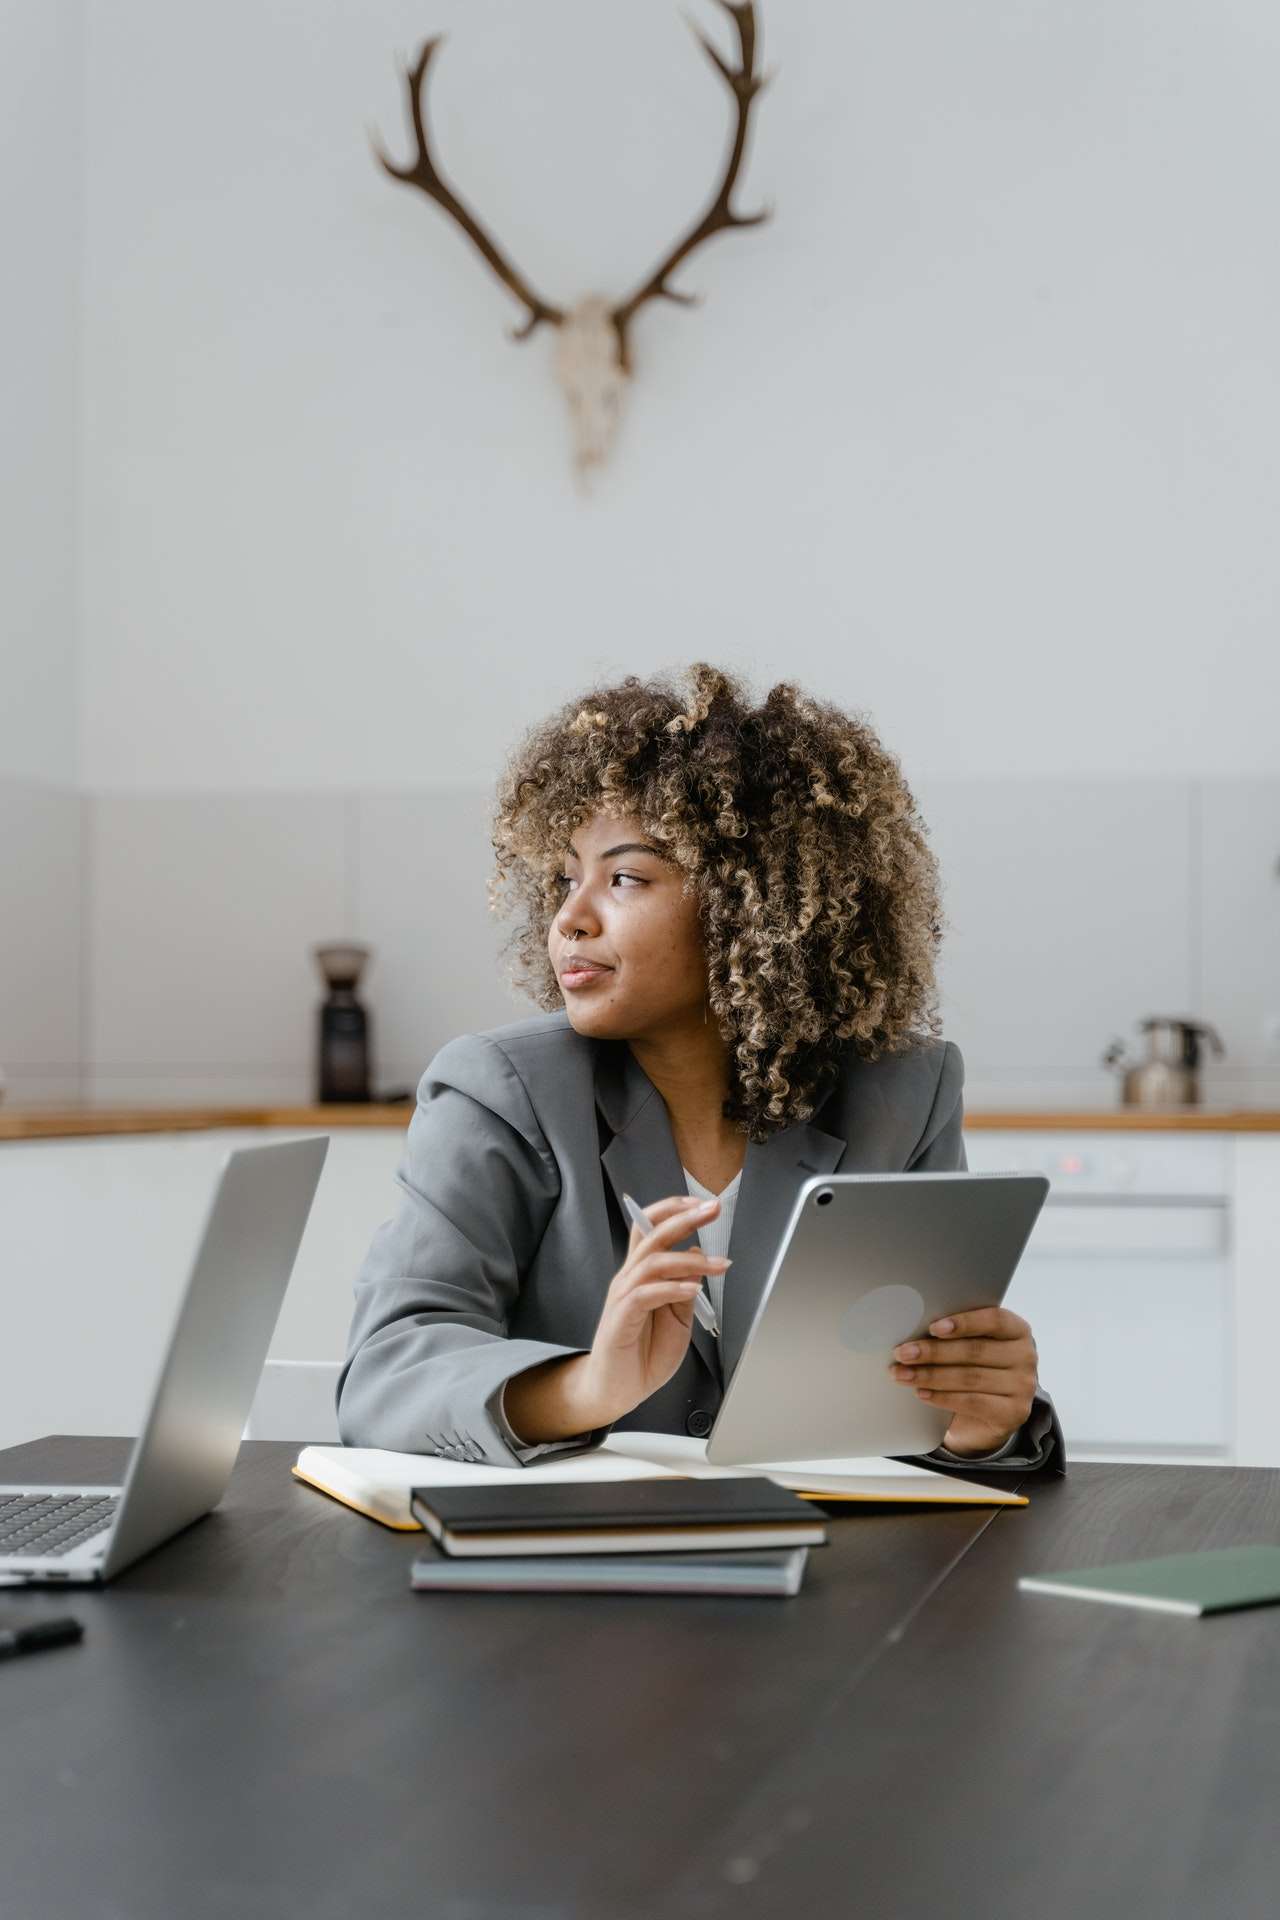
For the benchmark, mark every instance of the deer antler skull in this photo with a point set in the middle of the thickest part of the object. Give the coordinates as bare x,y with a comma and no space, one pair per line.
593,358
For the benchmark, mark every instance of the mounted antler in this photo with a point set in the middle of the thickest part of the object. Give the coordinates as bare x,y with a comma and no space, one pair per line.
593,360
424,174
745,84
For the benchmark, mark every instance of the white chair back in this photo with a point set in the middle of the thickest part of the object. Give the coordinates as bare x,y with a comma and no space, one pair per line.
295,1401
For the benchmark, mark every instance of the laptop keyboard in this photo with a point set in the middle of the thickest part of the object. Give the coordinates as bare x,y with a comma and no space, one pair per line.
35,1525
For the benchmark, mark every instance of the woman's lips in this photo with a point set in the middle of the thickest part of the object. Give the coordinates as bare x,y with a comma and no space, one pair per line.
576,977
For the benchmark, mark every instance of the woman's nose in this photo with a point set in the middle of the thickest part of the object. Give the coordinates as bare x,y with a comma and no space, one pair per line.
570,920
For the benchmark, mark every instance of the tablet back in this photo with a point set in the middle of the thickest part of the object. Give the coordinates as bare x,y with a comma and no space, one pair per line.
867,1260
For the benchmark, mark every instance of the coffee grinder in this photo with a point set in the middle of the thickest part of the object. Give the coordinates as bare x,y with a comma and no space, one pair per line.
344,1026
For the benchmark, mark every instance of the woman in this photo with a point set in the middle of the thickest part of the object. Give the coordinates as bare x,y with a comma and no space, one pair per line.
729,915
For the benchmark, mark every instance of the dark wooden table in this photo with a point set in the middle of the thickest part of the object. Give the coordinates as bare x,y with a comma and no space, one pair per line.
263,1720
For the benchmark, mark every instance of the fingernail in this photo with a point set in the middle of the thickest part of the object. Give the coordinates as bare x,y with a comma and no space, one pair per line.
908,1352
943,1326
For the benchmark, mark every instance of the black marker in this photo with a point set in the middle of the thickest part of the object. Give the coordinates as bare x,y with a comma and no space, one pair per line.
44,1633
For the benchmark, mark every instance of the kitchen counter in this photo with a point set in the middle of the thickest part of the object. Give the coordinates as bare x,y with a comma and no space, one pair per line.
1158,1238
78,1122
66,1123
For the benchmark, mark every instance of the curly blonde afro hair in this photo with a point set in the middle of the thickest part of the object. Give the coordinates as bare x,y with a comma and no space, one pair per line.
818,895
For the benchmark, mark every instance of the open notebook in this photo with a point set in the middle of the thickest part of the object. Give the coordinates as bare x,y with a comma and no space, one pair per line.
378,1483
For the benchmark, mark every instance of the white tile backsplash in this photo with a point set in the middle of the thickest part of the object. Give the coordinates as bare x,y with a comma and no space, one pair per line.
179,1086
1074,908
422,861
1069,909
1239,928
40,938
202,913
42,1086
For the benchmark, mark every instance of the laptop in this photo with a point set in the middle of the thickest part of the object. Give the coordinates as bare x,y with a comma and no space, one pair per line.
183,1457
867,1260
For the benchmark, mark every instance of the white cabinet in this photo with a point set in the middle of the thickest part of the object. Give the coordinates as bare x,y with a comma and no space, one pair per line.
1255,1296
1135,1346
1150,1278
95,1240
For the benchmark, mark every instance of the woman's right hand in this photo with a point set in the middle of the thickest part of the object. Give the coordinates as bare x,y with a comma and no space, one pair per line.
647,1319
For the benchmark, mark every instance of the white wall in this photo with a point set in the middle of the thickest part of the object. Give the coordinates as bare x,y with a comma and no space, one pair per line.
978,435
42,59
41,201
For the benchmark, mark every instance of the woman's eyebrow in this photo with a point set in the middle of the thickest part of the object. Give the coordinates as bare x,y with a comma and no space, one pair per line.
627,846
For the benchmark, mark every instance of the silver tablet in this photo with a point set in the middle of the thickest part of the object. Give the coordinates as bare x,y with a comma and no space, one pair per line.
867,1260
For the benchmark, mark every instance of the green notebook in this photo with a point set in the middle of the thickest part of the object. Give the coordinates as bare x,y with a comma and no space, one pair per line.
1213,1581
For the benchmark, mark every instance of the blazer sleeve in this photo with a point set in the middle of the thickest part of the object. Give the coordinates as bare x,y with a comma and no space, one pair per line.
428,1354
1038,1446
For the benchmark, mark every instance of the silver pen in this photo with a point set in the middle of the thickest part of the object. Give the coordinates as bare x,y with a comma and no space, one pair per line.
702,1307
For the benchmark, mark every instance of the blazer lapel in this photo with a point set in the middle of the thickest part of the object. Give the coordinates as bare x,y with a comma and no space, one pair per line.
641,1160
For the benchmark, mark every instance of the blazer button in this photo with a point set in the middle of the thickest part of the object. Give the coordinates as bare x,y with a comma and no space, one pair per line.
699,1423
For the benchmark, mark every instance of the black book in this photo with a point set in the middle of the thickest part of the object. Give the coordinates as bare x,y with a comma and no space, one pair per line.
774,1571
619,1516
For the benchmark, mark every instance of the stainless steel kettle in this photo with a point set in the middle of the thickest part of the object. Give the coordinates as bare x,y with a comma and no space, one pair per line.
1169,1076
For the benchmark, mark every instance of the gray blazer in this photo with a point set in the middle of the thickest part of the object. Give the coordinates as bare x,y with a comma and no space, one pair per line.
510,1228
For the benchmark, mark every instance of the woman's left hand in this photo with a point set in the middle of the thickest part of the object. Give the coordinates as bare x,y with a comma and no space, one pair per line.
981,1367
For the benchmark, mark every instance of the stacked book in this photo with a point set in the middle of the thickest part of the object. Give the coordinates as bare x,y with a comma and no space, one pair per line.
642,1512
730,1535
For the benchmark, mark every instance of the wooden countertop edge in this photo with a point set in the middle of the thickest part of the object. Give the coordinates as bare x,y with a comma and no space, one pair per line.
36,1123
67,1123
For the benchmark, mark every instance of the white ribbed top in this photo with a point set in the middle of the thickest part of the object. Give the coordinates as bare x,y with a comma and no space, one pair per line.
714,1236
